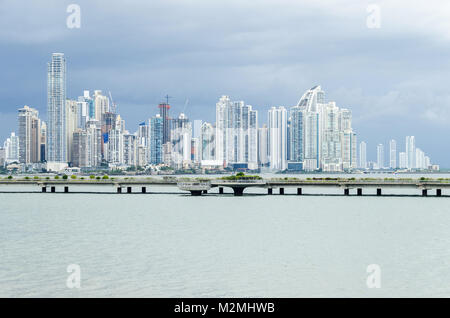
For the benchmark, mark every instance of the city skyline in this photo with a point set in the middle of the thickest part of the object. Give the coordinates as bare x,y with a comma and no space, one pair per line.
313,135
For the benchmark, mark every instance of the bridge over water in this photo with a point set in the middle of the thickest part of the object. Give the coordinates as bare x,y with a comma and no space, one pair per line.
201,186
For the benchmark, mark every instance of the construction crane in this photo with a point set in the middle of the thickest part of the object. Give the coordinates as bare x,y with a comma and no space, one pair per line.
185,104
113,105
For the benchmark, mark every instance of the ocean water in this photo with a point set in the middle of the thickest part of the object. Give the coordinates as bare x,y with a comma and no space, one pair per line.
170,244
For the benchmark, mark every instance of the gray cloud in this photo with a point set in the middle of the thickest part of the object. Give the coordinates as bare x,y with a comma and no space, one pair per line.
264,52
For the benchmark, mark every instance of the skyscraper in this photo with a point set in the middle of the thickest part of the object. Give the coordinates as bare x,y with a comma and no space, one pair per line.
71,124
410,152
56,109
278,138
363,155
236,133
29,135
402,160
296,134
392,154
181,136
156,139
12,148
380,156
222,107
101,105
164,113
208,148
312,102
263,145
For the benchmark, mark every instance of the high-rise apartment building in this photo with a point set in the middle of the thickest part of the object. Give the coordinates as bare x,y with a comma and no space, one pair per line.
156,139
164,113
278,138
363,155
296,133
411,152
56,109
11,146
208,142
71,124
380,156
29,135
263,145
392,154
236,133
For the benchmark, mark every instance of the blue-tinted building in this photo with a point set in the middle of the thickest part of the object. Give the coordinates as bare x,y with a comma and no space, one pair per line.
156,139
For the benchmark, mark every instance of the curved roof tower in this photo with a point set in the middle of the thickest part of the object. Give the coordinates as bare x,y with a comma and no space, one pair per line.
311,98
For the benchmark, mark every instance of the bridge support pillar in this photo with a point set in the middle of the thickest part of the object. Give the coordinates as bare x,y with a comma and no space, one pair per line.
424,192
269,191
144,190
238,191
44,189
129,190
119,190
438,192
299,191
66,189
205,191
346,191
379,191
359,191
196,193
53,189
281,191
220,190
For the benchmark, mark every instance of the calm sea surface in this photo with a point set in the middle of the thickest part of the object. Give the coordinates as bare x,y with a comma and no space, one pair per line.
170,244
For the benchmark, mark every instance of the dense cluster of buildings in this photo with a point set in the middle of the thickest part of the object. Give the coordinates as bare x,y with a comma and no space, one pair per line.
87,133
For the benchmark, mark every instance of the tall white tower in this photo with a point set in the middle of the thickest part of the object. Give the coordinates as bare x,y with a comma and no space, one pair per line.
278,138
56,109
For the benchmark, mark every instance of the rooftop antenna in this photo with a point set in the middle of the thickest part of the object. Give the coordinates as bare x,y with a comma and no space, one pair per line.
167,98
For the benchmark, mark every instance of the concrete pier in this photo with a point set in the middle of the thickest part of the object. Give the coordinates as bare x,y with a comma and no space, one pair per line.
66,189
238,191
359,191
379,192
144,189
53,189
438,192
119,190
220,190
281,191
346,191
269,191
299,191
129,190
44,189
424,192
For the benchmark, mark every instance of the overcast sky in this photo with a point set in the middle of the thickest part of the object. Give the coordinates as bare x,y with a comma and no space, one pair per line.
267,53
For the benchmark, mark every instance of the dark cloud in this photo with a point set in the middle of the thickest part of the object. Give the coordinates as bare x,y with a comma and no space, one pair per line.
264,52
